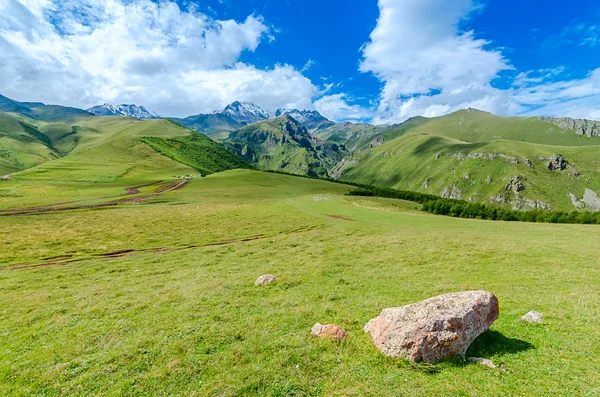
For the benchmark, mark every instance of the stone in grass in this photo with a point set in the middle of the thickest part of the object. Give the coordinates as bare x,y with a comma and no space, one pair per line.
483,361
435,329
265,279
533,317
330,331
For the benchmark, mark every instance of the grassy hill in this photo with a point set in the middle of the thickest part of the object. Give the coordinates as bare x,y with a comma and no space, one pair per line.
198,152
474,155
283,144
158,298
352,135
217,126
22,146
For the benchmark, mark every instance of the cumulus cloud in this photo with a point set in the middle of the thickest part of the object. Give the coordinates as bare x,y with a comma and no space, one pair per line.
429,67
337,107
176,62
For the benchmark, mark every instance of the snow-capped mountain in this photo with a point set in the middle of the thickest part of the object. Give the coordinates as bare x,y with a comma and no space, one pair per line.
311,119
137,112
245,113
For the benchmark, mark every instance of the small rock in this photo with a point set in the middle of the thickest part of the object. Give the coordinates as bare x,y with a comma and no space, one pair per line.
467,176
434,329
533,317
331,331
266,279
482,361
557,163
488,180
515,185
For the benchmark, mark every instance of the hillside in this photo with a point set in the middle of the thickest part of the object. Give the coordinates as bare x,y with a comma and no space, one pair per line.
22,146
217,126
197,151
82,147
284,144
480,157
352,135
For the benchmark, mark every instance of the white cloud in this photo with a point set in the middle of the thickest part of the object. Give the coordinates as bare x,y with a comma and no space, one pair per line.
429,67
336,107
176,62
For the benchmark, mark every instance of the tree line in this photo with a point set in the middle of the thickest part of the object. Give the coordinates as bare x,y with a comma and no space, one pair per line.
464,209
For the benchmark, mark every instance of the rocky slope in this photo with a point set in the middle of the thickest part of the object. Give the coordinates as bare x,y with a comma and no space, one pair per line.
285,144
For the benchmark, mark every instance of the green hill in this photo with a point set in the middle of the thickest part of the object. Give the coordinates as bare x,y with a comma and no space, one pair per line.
198,152
79,147
284,144
216,126
477,156
352,135
22,146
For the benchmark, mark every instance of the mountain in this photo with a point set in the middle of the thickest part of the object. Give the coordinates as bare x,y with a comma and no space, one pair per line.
284,144
137,112
517,162
311,119
245,113
217,126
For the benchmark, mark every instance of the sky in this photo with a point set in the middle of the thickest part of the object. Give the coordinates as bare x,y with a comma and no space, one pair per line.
358,60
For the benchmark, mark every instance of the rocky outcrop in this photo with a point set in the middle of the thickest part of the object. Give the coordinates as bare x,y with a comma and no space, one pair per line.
265,280
581,127
426,183
460,156
373,144
452,192
330,331
557,163
528,163
435,329
590,200
515,185
524,204
519,203
340,167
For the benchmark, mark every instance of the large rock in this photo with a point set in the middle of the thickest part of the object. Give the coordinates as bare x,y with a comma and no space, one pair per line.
434,329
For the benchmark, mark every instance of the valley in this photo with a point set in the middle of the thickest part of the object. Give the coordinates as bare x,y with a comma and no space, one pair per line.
130,250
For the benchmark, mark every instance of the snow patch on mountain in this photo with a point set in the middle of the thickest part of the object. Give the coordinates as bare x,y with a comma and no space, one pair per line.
137,112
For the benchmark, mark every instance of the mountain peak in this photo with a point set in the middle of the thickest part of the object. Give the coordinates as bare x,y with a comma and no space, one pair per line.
129,110
311,119
245,112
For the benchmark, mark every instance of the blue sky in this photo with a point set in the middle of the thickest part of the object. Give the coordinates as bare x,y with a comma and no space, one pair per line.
380,61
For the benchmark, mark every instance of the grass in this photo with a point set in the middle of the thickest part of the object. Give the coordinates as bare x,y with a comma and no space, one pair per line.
198,152
410,162
189,322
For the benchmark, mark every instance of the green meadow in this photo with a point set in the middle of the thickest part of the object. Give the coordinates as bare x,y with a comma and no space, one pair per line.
156,297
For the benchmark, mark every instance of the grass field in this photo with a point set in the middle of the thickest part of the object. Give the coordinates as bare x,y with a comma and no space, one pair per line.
158,298
430,155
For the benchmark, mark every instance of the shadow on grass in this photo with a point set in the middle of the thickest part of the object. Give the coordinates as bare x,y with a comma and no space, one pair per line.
493,343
